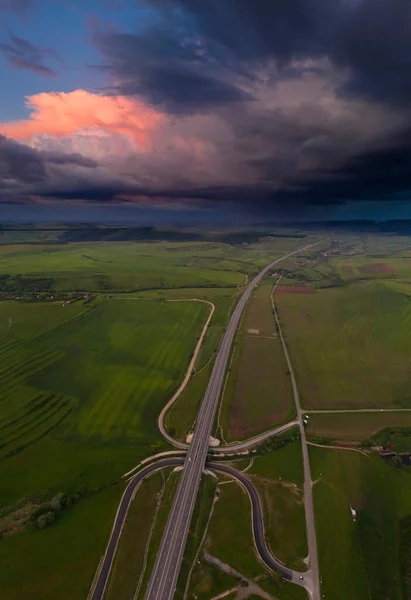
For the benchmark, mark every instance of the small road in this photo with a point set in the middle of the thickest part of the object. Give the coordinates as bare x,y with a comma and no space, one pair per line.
270,562
167,565
308,484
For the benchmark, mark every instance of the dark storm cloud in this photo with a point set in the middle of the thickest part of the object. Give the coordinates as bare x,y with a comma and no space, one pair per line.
378,174
170,72
21,54
369,37
20,164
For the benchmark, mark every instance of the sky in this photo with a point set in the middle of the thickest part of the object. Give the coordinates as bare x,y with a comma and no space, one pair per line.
287,108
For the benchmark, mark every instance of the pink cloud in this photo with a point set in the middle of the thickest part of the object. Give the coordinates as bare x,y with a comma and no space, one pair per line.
63,114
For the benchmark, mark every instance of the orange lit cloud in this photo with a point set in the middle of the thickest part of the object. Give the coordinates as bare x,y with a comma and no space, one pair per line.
64,113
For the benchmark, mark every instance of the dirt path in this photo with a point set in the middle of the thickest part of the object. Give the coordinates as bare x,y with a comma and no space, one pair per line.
186,379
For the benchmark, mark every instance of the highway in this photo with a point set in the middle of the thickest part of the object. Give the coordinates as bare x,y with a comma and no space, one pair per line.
166,568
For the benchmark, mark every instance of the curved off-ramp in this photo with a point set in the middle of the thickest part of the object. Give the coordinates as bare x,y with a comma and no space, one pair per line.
263,552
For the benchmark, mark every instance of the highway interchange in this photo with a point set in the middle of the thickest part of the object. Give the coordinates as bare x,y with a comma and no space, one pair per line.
166,568
164,575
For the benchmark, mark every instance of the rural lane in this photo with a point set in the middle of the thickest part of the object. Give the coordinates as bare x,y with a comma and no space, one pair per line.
308,485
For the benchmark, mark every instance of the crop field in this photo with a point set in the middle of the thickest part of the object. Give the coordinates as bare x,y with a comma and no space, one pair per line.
364,557
354,426
116,365
349,345
258,390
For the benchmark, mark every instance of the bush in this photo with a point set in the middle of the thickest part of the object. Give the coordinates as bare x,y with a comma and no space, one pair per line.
46,519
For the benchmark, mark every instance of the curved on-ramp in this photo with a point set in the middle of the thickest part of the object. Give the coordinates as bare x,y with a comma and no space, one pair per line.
266,557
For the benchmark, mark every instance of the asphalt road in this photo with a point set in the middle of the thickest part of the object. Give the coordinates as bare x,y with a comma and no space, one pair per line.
166,568
104,572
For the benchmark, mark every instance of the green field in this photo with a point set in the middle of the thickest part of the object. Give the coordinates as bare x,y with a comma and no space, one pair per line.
82,386
116,365
361,559
258,390
349,345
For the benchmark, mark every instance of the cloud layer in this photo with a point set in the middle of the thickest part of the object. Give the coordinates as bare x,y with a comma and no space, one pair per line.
288,103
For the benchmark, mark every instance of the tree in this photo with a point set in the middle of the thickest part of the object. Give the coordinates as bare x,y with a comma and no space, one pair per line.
46,519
